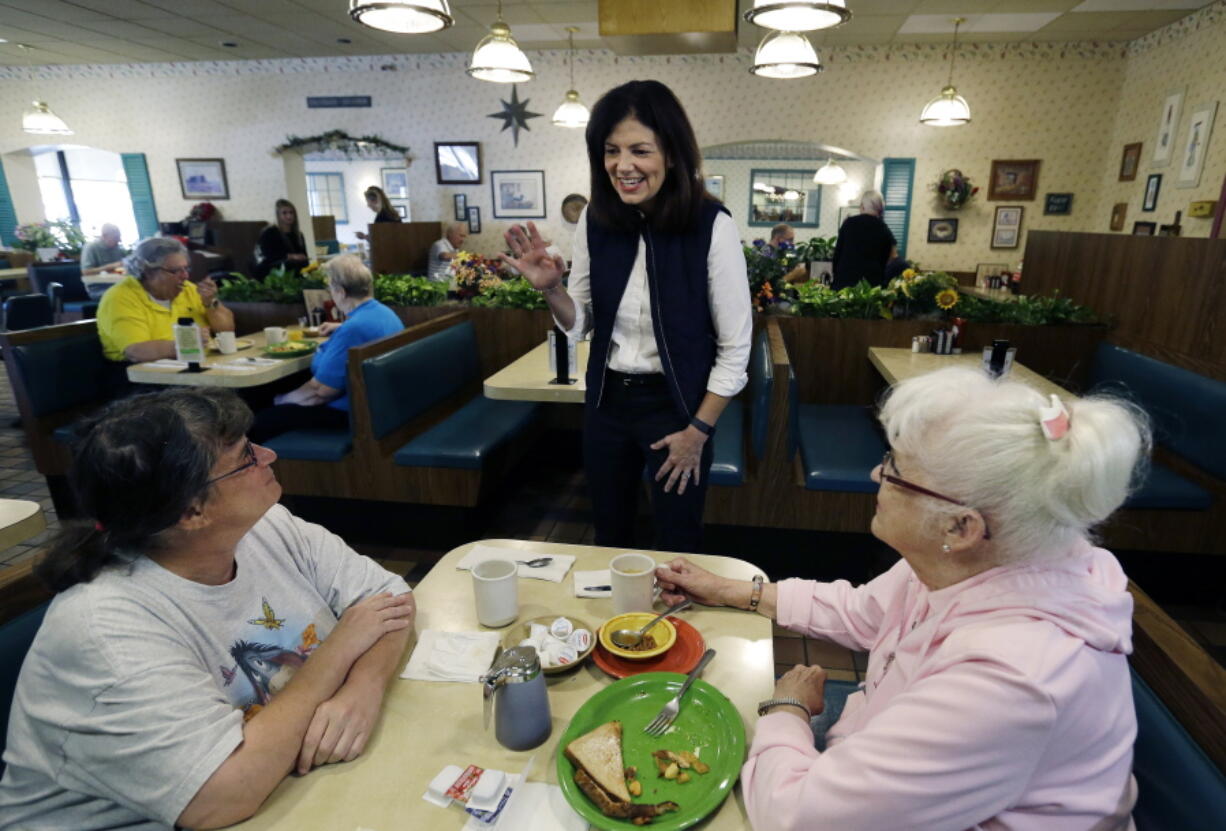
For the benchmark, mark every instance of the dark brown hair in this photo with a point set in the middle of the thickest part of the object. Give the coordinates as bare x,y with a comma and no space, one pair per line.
387,212
677,205
285,203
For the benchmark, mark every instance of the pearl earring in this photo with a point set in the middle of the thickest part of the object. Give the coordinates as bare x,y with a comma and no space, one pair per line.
946,547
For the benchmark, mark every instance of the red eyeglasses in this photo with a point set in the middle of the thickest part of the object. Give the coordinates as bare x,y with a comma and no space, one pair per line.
887,462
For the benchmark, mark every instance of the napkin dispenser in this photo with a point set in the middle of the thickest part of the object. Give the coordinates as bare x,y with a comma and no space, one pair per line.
514,691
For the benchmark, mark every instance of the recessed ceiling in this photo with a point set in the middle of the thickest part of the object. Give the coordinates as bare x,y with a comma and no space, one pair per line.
137,31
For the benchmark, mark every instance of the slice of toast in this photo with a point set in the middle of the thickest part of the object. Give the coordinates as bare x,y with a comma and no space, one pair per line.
599,752
636,813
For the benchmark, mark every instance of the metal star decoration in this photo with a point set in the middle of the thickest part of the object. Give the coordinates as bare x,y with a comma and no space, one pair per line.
515,114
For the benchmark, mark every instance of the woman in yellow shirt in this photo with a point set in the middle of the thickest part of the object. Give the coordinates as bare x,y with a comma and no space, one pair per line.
136,315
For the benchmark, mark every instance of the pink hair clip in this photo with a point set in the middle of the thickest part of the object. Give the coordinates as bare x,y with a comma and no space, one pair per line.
1054,419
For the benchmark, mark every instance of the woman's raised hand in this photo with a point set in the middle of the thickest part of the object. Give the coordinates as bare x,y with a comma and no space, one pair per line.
680,579
529,257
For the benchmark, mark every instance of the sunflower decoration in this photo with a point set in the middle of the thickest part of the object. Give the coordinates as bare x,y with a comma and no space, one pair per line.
312,266
946,299
909,274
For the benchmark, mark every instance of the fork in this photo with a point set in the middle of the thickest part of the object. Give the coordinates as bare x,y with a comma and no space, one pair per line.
668,713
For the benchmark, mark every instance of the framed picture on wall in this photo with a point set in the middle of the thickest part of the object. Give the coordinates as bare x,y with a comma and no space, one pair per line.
457,162
1013,179
1058,204
1192,157
1007,226
1153,183
1168,124
715,186
518,194
1129,162
395,182
1144,229
942,230
474,220
1119,212
461,207
203,178
402,208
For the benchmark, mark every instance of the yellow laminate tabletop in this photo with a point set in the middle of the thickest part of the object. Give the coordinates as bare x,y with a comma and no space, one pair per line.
528,379
896,364
261,373
20,519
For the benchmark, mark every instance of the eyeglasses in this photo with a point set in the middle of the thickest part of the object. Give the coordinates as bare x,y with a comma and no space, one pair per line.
887,462
181,270
252,461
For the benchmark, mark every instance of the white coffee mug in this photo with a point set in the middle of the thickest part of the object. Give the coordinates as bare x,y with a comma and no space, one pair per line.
226,344
633,577
274,335
496,589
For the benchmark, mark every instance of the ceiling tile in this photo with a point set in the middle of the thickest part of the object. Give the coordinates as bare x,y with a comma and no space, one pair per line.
125,9
1138,5
54,9
1088,25
869,24
920,24
118,28
181,27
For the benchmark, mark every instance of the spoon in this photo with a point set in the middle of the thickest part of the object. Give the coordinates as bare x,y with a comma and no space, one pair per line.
539,562
628,638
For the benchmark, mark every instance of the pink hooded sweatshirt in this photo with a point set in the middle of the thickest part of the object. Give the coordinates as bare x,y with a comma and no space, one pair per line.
1001,702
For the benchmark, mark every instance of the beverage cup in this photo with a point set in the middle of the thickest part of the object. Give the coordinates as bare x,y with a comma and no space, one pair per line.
633,577
226,344
274,335
496,589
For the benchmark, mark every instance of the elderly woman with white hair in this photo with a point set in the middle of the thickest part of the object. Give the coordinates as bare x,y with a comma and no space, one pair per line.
864,245
322,402
136,316
997,693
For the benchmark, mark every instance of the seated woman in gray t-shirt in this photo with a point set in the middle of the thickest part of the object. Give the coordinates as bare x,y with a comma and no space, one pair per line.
203,642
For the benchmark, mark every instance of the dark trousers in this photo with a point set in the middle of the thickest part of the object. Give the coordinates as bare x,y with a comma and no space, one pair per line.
281,418
617,439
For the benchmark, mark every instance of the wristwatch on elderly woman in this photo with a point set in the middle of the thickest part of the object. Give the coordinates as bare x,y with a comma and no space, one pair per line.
764,707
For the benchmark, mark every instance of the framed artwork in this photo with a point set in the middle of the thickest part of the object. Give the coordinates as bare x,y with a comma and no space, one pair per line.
1168,123
1057,204
1129,162
461,207
203,178
985,270
1007,226
1013,179
518,194
1144,229
395,182
457,162
1118,212
474,220
402,208
1153,183
942,230
1192,156
715,186
784,195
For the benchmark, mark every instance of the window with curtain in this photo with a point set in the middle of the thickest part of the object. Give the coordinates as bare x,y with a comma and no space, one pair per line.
86,186
784,196
326,196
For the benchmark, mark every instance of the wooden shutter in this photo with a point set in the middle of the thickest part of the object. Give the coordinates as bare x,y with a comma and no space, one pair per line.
896,182
141,192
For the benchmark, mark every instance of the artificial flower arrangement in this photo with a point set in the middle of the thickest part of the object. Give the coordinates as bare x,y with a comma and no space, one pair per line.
61,234
473,274
203,212
955,189
766,267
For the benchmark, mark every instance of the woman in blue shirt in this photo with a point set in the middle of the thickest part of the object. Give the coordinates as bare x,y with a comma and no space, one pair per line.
323,401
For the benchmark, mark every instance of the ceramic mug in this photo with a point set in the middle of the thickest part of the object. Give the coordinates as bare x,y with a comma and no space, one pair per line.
633,577
274,335
226,343
496,590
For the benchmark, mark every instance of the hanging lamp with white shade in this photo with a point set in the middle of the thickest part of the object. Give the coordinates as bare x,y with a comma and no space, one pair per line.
830,174
949,109
404,17
785,55
498,57
571,112
39,119
798,15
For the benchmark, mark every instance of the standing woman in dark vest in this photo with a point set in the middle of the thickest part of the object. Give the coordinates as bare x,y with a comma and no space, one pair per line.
658,280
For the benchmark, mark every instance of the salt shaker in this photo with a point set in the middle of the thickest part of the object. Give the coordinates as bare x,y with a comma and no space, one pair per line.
514,688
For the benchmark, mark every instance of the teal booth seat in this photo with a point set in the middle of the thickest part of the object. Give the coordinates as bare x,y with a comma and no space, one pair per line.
313,445
728,451
840,444
1178,786
64,373
15,639
1186,410
71,296
408,382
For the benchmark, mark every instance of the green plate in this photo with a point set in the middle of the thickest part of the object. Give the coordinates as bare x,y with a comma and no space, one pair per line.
304,348
707,721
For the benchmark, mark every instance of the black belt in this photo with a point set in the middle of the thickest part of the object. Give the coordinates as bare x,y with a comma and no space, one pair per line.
645,379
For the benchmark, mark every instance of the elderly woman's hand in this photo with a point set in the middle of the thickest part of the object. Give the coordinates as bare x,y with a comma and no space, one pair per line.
681,579
806,684
328,328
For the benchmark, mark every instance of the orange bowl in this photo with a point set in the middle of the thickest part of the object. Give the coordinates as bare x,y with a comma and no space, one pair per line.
664,634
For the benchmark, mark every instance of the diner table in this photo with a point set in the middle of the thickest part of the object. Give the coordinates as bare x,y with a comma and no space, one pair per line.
151,373
897,364
528,378
19,276
427,725
20,519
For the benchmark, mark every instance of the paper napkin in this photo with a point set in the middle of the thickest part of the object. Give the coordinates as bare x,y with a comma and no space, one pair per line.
584,580
451,656
554,572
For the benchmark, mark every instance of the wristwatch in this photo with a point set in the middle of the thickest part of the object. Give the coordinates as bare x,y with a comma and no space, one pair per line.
701,426
766,706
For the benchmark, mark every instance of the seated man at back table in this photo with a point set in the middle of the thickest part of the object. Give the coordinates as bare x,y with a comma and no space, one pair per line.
99,257
137,315
785,235
443,251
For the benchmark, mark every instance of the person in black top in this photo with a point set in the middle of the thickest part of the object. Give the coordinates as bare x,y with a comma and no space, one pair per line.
864,246
378,202
281,244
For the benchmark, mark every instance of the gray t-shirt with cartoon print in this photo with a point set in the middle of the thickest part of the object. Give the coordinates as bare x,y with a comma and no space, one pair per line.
137,685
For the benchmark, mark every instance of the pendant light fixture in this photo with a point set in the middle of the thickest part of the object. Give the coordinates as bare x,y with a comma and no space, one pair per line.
798,15
404,17
949,109
830,174
785,55
498,57
571,113
39,119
